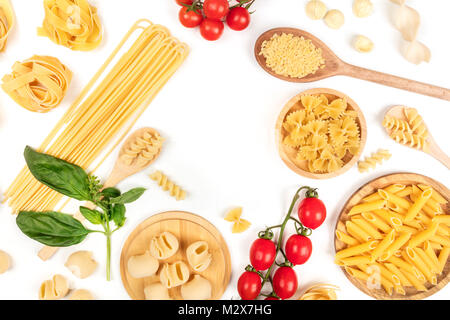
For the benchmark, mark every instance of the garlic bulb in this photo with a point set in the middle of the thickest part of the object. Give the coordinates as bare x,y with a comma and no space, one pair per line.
362,44
362,8
334,19
81,264
316,9
5,262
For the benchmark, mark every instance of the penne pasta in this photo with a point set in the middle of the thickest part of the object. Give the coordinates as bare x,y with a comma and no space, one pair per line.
421,265
394,188
389,217
443,257
435,195
396,271
345,238
444,241
390,197
356,250
415,282
431,255
357,232
396,245
434,268
368,206
383,245
423,236
444,219
376,221
367,227
353,261
418,204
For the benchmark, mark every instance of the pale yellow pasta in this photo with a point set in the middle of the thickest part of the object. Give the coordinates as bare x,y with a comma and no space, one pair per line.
410,139
143,149
142,266
421,265
357,232
396,245
54,289
367,227
418,205
7,22
416,122
198,288
368,206
374,159
198,256
383,245
345,238
174,275
321,291
385,283
443,257
422,236
393,123
167,185
164,245
376,221
356,250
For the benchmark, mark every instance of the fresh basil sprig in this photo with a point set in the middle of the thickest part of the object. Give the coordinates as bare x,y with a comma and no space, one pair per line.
57,229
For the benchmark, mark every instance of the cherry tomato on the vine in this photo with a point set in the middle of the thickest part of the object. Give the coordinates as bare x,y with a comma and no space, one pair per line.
249,285
182,2
211,29
298,249
190,18
312,212
285,282
262,254
216,9
238,19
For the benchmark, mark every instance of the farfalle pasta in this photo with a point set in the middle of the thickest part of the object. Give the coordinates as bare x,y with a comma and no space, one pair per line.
167,185
38,84
164,245
235,216
198,256
72,23
322,132
7,22
174,275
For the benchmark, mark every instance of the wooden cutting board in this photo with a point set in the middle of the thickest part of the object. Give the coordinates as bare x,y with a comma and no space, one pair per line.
188,228
371,187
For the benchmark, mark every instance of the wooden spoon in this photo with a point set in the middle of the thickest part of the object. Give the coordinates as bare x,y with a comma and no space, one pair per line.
127,164
335,66
432,147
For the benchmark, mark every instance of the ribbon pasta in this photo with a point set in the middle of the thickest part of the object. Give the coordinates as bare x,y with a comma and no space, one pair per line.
407,248
7,22
72,23
38,84
321,291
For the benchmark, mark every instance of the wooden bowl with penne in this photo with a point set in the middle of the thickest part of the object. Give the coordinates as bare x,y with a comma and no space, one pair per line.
392,238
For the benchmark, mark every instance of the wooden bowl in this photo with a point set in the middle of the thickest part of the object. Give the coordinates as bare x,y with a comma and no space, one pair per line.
371,187
188,228
288,154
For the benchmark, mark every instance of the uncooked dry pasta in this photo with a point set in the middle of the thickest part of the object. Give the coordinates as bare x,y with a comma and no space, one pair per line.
81,264
410,139
167,185
54,289
198,256
372,161
164,245
416,122
5,262
198,288
292,56
321,291
38,84
408,253
322,133
142,266
174,275
72,23
7,22
143,149
393,123
235,216
103,114
81,294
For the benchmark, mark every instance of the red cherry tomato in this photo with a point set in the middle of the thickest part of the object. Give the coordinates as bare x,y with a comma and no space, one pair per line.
298,249
216,9
249,285
312,212
271,298
211,30
262,254
181,2
238,19
285,282
190,19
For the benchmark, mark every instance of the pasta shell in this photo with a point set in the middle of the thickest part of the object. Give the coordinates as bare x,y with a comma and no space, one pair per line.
81,264
54,289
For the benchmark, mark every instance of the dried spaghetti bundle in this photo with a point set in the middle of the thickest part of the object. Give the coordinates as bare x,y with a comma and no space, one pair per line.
7,22
38,84
72,23
102,115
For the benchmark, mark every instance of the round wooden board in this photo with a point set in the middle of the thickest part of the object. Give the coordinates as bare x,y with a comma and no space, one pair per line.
188,228
288,154
371,187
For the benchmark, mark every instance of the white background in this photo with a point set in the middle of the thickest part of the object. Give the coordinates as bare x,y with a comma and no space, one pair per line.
218,115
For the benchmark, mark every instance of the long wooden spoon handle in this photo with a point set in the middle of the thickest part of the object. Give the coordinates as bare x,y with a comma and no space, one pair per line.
396,82
440,155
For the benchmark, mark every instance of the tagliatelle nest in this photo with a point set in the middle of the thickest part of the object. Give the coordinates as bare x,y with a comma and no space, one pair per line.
321,291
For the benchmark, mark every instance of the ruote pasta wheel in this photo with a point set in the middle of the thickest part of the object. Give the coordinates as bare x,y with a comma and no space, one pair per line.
72,23
38,84
7,22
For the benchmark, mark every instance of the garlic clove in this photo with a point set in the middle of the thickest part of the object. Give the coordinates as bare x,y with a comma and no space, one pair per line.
81,264
407,21
363,44
416,52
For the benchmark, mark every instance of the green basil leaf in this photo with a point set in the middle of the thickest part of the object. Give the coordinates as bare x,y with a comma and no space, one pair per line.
93,216
111,193
118,214
51,228
129,196
57,174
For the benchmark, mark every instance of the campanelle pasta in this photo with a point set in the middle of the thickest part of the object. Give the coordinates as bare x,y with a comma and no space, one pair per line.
392,238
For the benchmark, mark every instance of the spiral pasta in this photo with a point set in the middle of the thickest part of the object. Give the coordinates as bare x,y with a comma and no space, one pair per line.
72,23
38,84
321,291
416,122
393,123
7,22
372,161
143,149
167,185
410,139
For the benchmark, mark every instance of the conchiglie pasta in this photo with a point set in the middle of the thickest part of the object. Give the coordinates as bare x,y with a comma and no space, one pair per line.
174,275
198,256
81,264
164,245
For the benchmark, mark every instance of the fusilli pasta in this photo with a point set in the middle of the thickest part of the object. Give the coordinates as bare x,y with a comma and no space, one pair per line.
396,124
416,122
410,139
167,185
143,150
372,161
